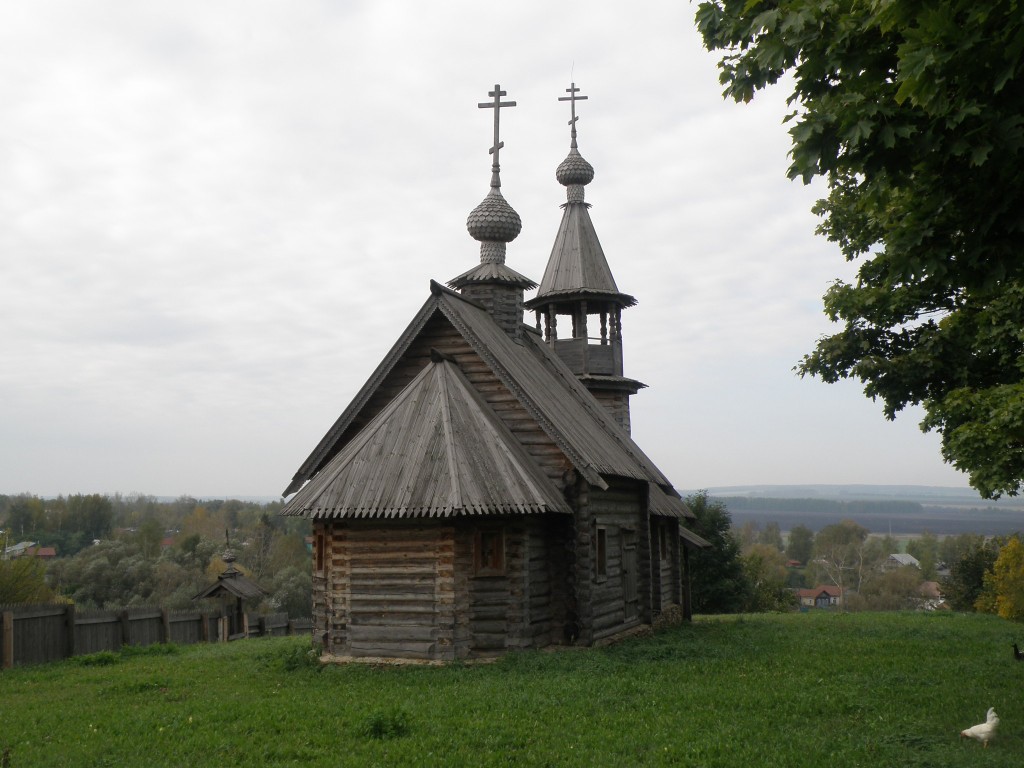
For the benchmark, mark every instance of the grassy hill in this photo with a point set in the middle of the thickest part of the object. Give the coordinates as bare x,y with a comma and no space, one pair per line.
767,690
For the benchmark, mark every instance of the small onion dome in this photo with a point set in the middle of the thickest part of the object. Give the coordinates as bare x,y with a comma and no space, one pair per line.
574,170
494,220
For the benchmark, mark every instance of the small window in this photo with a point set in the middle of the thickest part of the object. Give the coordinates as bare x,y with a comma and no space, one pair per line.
601,553
321,547
490,552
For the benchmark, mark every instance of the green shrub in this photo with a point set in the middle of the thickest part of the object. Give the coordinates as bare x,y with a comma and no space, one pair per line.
391,723
293,658
156,649
101,659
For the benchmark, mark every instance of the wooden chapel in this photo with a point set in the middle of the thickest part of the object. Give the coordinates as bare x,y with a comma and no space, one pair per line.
481,492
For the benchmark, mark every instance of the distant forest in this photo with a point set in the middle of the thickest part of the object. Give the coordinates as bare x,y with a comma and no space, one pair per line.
123,551
883,516
825,506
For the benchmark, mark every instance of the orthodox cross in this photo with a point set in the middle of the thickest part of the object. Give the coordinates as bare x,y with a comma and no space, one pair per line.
496,105
572,90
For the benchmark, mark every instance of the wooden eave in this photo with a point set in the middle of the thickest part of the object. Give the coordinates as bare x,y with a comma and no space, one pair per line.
490,272
436,450
691,540
577,267
666,503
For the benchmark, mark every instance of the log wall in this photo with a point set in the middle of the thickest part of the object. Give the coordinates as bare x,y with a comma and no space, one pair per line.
621,597
666,560
412,589
389,589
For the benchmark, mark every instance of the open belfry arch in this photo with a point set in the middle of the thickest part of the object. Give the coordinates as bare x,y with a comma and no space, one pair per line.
481,492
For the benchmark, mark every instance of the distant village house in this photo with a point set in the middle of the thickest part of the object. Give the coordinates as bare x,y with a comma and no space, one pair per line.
822,596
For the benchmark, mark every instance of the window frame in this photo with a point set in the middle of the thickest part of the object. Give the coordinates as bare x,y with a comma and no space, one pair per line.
601,553
319,551
495,563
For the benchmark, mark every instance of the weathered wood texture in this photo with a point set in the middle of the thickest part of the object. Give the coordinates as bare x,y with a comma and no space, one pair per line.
439,334
666,587
620,597
583,357
511,609
390,591
503,301
617,405
412,590
35,634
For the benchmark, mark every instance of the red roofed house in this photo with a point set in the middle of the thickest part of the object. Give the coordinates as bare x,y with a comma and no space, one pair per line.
43,553
824,596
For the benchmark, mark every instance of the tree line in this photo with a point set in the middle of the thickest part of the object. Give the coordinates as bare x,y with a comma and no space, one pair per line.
852,509
123,551
752,568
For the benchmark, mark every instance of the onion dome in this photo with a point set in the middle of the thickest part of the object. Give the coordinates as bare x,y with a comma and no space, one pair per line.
574,169
494,223
494,220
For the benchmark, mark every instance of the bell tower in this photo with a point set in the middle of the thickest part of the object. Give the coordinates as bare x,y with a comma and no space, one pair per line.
578,287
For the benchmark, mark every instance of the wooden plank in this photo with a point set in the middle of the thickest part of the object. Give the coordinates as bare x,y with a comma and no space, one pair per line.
40,612
424,651
484,641
8,640
391,633
69,630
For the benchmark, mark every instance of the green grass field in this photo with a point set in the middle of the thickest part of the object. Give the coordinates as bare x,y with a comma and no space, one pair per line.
812,690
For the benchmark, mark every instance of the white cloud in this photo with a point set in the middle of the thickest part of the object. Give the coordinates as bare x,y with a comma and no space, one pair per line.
216,219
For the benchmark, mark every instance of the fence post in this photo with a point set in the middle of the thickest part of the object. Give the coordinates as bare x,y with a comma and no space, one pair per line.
204,627
69,628
8,649
165,624
126,630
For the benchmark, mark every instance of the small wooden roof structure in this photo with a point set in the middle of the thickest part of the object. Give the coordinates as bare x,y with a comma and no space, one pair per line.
232,583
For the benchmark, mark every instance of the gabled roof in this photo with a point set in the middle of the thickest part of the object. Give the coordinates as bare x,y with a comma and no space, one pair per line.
436,450
904,559
42,552
821,589
233,582
577,265
561,405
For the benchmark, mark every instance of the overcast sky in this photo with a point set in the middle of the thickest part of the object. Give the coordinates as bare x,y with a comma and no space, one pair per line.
217,217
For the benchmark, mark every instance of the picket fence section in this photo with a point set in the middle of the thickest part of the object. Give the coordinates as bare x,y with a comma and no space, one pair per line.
36,634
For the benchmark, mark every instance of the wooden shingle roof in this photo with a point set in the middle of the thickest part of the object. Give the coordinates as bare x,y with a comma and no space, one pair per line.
235,583
436,450
577,265
668,504
564,409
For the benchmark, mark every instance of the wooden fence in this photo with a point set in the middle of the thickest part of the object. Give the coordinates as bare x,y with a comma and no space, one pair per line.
35,634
